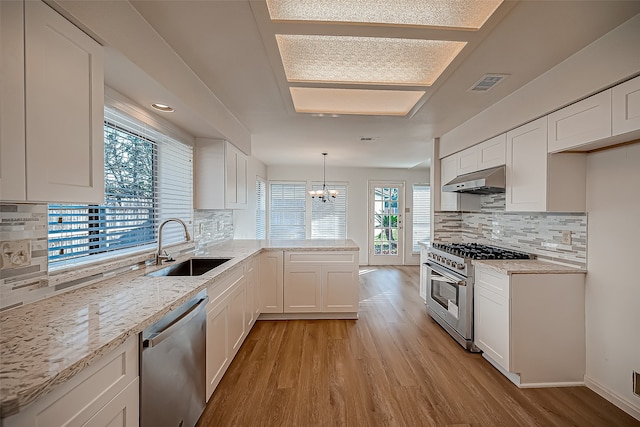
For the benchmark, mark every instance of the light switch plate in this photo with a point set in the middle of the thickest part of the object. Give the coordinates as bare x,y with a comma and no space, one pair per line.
15,254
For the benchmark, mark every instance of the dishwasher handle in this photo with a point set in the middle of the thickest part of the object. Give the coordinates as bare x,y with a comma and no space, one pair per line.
157,337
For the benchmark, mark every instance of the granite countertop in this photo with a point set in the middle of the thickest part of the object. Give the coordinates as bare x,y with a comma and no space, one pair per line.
528,266
45,343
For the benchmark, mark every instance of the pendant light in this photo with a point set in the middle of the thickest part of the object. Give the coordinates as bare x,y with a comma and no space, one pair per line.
324,194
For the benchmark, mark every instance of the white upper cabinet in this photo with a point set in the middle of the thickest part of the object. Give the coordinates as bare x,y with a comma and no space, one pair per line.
581,123
492,152
467,161
53,110
538,181
220,175
454,201
485,155
626,107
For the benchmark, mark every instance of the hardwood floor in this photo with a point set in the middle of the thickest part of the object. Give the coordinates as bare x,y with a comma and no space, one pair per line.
392,367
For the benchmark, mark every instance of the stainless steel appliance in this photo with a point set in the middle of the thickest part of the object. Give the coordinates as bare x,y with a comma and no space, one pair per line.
450,285
488,181
172,367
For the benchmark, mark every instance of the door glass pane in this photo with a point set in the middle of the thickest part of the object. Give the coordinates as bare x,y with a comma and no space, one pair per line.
386,231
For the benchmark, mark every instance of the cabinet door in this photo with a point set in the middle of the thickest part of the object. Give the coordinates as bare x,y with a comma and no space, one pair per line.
250,275
527,167
626,107
448,171
122,411
64,109
237,301
492,152
217,345
580,123
231,176
340,288
467,161
12,136
303,288
241,180
271,282
491,325
209,177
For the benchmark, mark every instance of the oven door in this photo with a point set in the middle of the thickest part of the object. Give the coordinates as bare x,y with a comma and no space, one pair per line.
447,297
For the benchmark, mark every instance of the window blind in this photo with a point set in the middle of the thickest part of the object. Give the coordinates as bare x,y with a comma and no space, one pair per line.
261,209
329,219
148,178
287,207
421,215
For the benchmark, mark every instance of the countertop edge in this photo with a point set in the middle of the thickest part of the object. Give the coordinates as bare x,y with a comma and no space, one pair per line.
534,266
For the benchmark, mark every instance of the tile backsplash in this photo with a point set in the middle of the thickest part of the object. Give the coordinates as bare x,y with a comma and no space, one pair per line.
538,233
27,223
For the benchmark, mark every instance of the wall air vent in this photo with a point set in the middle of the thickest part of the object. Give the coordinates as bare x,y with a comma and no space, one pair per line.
369,138
487,82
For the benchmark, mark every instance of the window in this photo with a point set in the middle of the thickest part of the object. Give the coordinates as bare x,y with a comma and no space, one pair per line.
329,219
421,217
287,207
261,209
148,178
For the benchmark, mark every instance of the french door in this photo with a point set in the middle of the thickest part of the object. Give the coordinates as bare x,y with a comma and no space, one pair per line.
386,228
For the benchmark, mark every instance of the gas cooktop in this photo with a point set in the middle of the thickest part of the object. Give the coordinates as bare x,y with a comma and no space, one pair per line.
478,251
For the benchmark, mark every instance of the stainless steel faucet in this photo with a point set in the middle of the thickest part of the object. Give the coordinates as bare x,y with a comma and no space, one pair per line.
159,255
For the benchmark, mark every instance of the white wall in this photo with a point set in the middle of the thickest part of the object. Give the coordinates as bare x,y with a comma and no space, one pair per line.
357,198
613,287
244,220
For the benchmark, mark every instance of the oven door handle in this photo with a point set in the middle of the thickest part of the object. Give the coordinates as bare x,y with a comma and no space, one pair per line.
450,278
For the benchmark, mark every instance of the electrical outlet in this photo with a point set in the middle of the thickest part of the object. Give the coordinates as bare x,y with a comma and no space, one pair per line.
636,383
566,237
480,227
16,253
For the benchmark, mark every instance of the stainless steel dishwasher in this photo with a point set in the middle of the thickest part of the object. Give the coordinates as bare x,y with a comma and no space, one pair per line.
172,367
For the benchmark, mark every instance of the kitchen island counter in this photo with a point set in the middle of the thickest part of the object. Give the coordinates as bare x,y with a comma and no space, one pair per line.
45,343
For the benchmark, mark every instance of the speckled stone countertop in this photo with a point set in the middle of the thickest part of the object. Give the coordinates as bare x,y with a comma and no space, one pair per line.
45,343
527,266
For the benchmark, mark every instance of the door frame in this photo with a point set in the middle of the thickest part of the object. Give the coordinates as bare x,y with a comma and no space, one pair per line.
373,259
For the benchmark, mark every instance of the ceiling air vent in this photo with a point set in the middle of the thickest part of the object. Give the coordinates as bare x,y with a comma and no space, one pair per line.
487,82
369,138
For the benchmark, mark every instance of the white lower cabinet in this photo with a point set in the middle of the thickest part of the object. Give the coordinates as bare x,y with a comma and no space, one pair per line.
217,345
321,282
105,393
226,326
252,308
531,326
271,282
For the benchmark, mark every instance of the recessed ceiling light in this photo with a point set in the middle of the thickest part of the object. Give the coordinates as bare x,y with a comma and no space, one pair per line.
365,60
462,14
163,107
354,101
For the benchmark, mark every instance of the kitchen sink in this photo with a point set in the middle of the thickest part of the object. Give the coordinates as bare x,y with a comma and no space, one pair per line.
190,267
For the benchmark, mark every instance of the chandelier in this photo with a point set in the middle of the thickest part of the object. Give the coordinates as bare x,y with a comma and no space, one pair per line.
325,194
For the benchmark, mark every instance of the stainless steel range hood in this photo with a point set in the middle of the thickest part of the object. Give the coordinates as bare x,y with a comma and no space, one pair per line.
488,181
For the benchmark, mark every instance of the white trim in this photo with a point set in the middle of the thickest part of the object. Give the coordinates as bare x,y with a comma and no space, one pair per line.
612,397
307,316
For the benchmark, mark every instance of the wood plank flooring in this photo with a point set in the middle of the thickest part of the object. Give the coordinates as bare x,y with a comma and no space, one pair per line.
394,366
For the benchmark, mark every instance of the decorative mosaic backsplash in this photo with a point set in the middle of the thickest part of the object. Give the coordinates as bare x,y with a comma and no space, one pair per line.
536,233
211,227
23,222
27,224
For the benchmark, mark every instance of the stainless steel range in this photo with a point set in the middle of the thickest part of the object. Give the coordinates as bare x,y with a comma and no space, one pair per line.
450,285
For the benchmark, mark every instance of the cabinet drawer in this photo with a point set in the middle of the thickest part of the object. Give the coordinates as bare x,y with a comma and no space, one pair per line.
314,257
492,280
219,289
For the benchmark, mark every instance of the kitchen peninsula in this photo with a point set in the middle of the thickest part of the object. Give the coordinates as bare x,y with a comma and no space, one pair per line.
47,344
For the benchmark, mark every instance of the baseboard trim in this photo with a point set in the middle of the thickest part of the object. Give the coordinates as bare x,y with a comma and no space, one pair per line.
308,316
612,397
